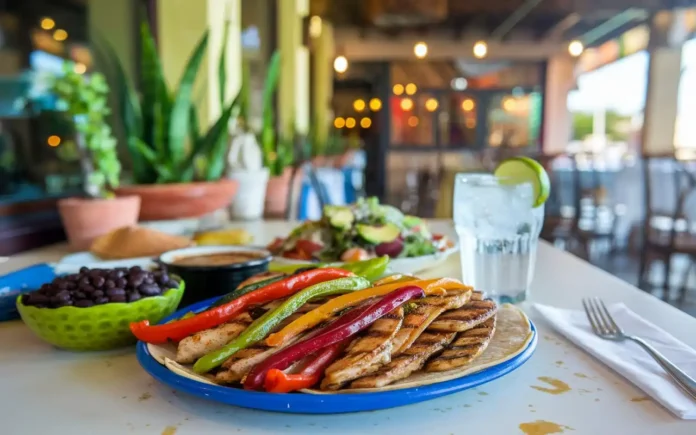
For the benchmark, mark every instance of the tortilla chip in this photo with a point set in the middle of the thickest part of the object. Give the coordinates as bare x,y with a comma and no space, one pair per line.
136,242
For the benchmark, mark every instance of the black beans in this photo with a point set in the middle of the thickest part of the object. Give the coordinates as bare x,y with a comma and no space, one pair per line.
92,287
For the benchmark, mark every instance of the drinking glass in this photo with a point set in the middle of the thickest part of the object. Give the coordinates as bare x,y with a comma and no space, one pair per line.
498,229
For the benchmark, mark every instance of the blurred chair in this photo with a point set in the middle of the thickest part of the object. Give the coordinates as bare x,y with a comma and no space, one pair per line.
670,217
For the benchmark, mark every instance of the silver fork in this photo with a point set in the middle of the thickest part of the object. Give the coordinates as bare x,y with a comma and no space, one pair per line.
604,326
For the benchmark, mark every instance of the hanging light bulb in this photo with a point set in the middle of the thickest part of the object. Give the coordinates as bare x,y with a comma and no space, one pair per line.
480,49
420,50
575,48
359,105
411,88
375,104
340,64
406,104
431,104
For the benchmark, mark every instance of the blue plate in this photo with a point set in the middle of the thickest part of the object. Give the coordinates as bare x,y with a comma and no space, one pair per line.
300,403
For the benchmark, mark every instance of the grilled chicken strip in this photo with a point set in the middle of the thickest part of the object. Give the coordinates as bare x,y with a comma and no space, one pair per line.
239,364
367,353
425,312
409,361
193,347
462,319
466,347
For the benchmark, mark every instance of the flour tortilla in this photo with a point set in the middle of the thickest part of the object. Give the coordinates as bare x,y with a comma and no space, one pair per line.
512,336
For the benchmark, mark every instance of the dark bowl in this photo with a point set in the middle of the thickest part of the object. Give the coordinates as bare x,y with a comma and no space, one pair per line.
204,282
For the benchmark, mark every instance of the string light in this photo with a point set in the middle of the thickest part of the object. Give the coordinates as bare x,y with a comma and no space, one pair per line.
420,50
350,122
575,48
365,123
375,104
60,35
398,89
340,64
431,104
413,121
509,104
53,140
47,23
411,89
359,105
339,122
468,105
406,104
480,49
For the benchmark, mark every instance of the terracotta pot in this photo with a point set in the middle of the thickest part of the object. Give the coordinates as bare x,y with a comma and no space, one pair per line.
277,192
181,200
86,219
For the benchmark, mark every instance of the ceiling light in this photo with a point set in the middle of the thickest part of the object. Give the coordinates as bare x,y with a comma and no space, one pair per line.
575,48
420,50
431,104
398,89
375,104
406,104
459,83
60,35
411,89
365,123
480,49
315,25
339,122
340,64
468,105
47,23
350,122
359,105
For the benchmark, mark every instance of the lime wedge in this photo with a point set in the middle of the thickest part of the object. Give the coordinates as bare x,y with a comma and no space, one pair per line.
524,169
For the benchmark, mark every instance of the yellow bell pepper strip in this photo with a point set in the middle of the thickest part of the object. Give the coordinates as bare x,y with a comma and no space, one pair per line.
260,328
397,277
213,317
323,312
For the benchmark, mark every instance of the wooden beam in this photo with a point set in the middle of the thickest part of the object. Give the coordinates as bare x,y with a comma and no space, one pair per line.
511,21
556,32
619,20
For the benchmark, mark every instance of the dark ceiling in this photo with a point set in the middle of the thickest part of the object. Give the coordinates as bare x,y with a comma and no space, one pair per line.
599,20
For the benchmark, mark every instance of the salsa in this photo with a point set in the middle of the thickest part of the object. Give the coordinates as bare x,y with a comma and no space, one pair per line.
219,259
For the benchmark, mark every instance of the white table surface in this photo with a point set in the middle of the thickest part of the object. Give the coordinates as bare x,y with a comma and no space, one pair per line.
48,391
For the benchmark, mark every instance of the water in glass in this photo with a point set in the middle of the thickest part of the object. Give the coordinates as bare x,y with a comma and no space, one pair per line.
498,230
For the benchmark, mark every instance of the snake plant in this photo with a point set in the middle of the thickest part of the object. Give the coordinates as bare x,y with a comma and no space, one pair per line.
164,139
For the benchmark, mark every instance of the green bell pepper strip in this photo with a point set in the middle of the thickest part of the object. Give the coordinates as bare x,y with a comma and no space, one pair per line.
262,326
246,289
371,269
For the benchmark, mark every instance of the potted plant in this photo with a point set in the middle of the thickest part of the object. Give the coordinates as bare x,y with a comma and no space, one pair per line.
246,162
177,168
84,99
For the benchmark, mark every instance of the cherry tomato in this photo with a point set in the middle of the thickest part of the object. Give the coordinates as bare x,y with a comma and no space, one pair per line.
308,246
355,254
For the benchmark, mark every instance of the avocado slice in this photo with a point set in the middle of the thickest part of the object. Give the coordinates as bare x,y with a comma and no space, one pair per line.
379,234
412,221
339,216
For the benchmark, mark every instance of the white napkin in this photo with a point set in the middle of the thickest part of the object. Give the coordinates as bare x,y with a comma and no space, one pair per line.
628,358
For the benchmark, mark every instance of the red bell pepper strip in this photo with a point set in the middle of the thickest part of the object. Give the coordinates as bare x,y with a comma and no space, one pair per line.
181,329
348,325
277,381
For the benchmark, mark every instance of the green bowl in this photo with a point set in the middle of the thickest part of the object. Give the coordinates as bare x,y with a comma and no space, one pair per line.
100,327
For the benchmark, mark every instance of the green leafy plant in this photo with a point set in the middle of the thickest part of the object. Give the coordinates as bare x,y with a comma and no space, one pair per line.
84,99
278,153
161,125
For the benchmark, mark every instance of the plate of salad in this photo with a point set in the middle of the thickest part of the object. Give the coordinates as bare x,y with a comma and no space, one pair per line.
364,230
